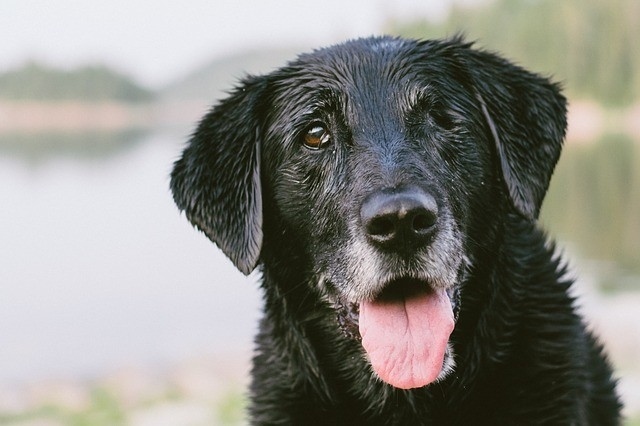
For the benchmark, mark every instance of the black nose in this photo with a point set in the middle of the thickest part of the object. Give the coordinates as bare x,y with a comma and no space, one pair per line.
399,219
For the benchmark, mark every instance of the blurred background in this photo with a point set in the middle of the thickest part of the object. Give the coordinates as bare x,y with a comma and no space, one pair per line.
114,311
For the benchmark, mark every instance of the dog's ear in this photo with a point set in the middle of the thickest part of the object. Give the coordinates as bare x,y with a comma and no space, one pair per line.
526,115
216,182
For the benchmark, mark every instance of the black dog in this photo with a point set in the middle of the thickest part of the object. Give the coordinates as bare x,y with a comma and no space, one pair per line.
388,190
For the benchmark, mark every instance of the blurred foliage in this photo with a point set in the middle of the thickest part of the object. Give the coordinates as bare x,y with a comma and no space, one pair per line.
38,82
594,200
231,409
590,45
103,409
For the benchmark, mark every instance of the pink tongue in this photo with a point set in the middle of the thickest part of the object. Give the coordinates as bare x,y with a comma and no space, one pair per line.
406,338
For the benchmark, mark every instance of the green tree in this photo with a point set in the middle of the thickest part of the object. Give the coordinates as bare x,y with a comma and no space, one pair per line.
590,45
91,83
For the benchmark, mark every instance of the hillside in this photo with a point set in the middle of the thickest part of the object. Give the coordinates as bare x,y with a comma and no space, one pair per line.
95,83
589,45
219,75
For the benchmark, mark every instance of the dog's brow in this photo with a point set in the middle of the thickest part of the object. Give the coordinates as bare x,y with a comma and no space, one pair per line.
419,94
422,96
322,99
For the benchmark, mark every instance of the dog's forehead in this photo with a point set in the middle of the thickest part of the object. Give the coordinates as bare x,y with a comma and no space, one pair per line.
386,72
360,63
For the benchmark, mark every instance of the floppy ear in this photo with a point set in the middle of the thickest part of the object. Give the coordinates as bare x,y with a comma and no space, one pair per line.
216,182
526,115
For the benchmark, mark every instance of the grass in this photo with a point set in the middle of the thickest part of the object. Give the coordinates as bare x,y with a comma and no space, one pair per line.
105,409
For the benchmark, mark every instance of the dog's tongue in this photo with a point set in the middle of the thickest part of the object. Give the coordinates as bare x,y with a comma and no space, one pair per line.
406,338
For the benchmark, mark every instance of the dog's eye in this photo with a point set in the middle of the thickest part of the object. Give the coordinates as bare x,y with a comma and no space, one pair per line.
317,137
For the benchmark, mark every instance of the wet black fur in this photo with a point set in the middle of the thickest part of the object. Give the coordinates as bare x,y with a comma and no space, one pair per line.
478,132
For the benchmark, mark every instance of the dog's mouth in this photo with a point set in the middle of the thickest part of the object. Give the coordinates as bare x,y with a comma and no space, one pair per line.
404,331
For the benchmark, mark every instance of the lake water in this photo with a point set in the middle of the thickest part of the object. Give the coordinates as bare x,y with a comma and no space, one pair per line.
99,269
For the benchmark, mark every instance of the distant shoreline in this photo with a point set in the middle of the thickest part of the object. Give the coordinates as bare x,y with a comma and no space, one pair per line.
69,116
587,120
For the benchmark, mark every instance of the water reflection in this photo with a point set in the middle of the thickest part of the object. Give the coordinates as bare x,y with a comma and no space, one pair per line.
594,201
100,270
96,145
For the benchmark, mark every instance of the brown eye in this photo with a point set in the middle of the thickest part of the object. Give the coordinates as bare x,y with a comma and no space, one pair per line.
317,137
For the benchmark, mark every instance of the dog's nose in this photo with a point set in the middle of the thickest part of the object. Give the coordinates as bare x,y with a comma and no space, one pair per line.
399,219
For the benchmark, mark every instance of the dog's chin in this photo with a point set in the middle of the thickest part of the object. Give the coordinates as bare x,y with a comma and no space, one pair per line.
404,306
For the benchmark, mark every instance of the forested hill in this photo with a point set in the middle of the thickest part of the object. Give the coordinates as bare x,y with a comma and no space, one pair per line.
590,45
37,82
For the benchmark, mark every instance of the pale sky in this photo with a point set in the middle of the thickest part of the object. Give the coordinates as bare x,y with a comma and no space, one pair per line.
156,41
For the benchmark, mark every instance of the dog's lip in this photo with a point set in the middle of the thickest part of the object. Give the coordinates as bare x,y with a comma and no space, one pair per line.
406,286
402,287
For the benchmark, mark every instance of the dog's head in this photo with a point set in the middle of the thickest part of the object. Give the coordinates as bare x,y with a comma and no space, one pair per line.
374,166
